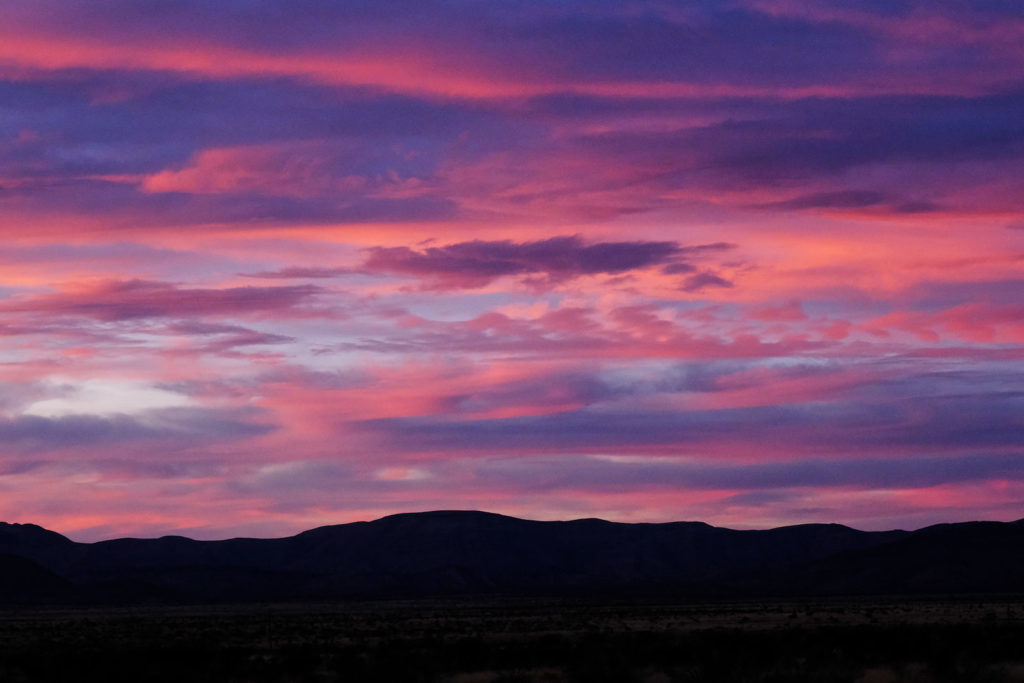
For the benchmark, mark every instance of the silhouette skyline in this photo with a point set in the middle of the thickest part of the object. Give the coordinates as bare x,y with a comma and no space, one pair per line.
466,554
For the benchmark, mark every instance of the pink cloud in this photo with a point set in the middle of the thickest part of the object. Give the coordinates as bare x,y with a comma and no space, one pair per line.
114,300
301,170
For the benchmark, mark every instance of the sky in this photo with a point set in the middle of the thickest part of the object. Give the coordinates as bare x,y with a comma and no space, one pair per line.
267,265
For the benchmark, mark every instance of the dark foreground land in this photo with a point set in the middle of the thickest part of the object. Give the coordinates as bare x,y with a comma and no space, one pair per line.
868,641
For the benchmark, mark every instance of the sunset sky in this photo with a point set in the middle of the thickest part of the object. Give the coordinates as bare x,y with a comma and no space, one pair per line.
273,264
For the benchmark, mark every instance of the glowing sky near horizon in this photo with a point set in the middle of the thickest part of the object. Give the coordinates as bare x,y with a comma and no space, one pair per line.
268,265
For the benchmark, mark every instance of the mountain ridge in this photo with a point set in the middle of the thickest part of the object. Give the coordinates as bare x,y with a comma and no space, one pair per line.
476,553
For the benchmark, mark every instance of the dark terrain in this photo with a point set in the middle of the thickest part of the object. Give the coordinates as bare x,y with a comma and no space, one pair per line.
515,641
471,597
477,554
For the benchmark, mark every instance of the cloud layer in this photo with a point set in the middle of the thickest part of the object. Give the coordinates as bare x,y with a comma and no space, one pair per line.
279,264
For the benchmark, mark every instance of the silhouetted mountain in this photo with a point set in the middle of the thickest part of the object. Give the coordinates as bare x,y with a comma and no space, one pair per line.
23,581
28,540
479,553
973,557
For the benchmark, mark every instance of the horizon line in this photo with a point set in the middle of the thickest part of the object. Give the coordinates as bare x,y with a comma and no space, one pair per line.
522,519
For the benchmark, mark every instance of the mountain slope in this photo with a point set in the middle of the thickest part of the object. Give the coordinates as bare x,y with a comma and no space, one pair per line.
24,582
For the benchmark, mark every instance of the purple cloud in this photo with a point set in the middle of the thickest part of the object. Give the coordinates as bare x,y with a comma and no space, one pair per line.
699,281
467,265
177,427
842,199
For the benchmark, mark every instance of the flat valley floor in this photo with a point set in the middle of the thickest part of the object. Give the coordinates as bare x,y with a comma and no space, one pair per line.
863,641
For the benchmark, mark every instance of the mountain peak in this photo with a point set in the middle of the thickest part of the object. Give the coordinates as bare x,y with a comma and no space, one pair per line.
449,515
30,533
